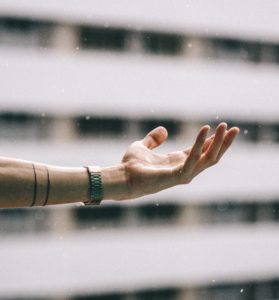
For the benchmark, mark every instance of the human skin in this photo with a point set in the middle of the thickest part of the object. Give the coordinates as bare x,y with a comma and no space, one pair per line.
140,172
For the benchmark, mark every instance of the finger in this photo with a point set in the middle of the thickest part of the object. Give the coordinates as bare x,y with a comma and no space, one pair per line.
155,137
207,143
214,148
228,140
196,150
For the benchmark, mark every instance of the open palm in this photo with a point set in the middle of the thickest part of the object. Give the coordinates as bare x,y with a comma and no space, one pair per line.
149,172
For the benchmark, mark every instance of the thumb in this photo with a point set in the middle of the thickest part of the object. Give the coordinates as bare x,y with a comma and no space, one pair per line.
155,137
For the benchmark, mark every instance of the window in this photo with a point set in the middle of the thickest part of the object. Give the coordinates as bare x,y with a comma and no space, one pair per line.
159,43
103,38
92,125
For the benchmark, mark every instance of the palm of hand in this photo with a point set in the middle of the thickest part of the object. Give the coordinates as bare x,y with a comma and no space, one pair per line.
149,172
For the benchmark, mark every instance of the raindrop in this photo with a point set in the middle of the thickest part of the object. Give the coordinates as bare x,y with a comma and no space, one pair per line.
217,117
87,118
190,45
245,131
242,290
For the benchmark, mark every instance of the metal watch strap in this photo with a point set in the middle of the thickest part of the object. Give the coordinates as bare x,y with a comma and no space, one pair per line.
95,185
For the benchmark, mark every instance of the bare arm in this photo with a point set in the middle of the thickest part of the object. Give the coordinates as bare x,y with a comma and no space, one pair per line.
140,172
18,188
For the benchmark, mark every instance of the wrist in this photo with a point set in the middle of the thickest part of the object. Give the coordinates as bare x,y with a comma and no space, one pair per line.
114,182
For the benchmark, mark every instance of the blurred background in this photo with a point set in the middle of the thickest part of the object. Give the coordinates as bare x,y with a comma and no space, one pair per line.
81,80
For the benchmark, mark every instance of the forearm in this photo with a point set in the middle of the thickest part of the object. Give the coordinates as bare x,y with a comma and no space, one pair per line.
23,183
20,184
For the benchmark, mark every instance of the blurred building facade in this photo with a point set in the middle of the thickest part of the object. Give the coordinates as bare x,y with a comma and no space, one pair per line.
79,82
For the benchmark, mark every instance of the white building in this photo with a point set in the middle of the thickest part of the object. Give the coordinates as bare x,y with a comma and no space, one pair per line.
79,82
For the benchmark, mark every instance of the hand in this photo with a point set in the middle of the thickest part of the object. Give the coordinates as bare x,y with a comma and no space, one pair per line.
147,172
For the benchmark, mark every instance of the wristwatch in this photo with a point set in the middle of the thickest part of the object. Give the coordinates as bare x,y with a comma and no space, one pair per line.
96,192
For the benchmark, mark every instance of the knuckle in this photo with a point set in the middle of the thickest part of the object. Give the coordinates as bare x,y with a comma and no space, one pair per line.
210,157
214,162
211,163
